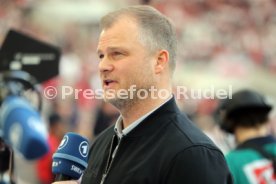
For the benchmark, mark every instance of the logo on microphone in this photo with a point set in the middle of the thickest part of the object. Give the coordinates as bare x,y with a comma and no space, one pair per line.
83,148
63,142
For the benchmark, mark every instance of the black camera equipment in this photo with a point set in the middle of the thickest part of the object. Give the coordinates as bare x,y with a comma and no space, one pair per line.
24,63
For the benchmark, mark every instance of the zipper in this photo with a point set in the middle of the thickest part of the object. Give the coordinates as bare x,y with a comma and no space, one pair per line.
110,156
103,178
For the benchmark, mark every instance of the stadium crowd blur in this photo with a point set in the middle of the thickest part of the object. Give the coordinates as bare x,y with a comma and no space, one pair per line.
223,44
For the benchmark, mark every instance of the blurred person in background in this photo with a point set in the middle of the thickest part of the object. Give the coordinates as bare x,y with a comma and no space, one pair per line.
57,129
246,116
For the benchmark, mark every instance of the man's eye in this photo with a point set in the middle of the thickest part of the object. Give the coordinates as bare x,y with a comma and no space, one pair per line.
101,56
116,53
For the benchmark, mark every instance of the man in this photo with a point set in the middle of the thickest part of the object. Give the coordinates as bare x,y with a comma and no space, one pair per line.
151,142
246,116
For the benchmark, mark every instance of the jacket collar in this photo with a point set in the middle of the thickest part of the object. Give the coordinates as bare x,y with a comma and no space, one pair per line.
258,141
156,120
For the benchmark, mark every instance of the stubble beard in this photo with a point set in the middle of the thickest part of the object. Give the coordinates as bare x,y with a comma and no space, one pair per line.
120,103
127,103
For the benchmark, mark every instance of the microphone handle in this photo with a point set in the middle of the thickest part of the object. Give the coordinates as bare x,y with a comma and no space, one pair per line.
63,177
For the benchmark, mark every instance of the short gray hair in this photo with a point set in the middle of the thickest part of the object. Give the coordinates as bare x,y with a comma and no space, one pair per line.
156,31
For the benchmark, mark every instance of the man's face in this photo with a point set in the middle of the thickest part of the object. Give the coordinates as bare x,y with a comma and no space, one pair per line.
124,61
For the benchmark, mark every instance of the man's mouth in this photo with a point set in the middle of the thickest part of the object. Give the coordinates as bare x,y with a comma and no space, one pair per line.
108,82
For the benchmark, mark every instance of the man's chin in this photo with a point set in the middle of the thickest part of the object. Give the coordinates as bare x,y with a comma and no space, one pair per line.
118,103
110,100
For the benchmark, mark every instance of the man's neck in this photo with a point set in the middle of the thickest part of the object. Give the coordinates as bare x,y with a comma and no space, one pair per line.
243,134
138,109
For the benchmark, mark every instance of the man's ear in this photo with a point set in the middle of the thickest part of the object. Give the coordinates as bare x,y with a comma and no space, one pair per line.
162,61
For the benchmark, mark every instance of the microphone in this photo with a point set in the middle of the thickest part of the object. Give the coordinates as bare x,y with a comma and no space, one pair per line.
70,159
22,128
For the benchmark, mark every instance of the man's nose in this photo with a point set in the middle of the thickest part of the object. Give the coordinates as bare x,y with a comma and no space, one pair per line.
105,65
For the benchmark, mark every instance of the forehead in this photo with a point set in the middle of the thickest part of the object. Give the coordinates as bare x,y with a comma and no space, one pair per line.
123,30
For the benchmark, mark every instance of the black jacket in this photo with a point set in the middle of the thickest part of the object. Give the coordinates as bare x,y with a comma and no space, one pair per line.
166,148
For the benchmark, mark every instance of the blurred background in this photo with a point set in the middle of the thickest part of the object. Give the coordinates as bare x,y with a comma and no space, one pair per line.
223,44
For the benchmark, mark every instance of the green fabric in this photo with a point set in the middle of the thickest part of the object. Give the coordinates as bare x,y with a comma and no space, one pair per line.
238,159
